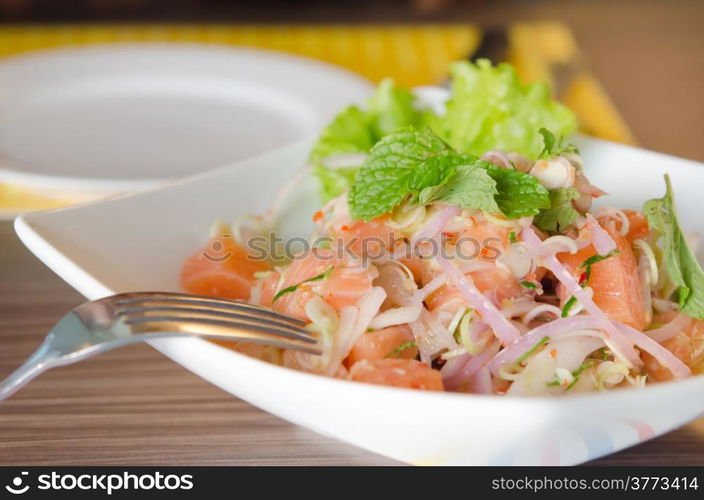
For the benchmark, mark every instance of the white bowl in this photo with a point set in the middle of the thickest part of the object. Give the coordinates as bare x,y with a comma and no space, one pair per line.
138,242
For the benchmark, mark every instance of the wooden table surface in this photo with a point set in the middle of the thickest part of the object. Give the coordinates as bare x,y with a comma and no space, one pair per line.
133,406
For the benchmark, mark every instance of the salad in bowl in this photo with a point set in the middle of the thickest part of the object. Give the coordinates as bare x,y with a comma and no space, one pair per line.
459,247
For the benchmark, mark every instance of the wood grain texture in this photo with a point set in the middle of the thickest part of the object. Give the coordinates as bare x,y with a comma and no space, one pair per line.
133,406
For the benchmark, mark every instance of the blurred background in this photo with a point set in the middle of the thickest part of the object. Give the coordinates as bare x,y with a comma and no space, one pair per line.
645,53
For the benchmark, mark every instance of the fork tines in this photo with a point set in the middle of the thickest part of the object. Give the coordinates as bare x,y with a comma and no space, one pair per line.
173,308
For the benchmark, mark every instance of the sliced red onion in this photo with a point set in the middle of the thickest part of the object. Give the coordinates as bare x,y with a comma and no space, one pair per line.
541,309
614,213
436,223
621,346
603,242
560,328
481,382
586,325
666,358
679,324
504,329
432,286
498,158
470,366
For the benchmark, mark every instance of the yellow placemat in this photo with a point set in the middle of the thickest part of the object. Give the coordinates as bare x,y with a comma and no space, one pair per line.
411,54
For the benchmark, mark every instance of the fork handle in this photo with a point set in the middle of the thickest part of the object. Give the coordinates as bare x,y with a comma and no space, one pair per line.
41,360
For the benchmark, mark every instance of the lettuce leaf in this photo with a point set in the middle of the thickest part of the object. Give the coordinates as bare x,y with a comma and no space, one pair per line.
682,268
491,109
356,130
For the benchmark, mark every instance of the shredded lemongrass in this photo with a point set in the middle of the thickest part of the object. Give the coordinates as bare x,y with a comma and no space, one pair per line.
541,309
510,371
396,352
564,241
454,323
454,353
513,224
471,345
643,246
610,374
614,213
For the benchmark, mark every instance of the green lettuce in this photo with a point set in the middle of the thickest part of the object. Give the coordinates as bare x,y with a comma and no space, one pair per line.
489,109
679,262
356,130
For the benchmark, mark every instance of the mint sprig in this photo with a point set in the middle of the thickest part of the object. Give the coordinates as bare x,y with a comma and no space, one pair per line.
561,213
419,166
554,148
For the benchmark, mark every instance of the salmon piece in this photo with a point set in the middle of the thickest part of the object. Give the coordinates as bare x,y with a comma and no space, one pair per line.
638,225
406,373
380,343
221,269
688,346
268,286
346,283
367,239
614,281
498,280
344,287
303,268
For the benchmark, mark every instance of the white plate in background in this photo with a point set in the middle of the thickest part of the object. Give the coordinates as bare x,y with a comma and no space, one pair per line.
113,118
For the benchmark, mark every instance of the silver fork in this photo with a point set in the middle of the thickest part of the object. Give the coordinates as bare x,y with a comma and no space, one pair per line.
98,326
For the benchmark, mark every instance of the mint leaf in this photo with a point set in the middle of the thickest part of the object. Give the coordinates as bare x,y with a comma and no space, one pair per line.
467,187
437,170
548,142
382,182
549,147
519,194
679,262
561,213
356,130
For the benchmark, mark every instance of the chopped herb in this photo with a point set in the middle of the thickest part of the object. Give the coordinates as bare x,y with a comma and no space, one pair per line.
575,374
568,305
587,265
395,353
551,149
603,353
582,368
561,214
293,288
529,285
532,350
512,237
598,258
